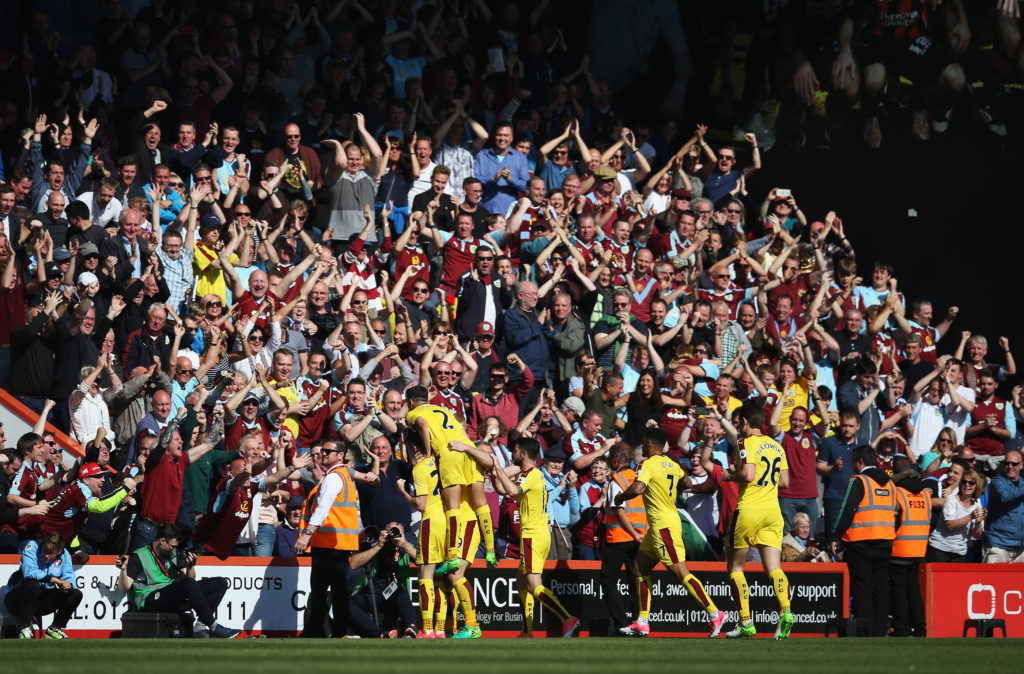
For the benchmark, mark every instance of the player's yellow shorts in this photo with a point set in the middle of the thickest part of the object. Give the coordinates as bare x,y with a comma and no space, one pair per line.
471,470
533,552
664,544
756,527
433,540
469,537
452,467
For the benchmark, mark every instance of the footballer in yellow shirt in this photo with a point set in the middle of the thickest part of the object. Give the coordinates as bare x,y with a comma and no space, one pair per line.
431,549
437,428
530,492
761,469
659,481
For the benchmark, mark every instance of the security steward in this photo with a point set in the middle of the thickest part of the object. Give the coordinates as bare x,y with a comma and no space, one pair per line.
867,527
625,526
329,528
908,550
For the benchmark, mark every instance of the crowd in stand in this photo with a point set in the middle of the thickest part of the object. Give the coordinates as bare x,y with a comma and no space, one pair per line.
232,239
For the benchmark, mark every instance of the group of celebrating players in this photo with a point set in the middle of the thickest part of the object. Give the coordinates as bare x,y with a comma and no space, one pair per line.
449,473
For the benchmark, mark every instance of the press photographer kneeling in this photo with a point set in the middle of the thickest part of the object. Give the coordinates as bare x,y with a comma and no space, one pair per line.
160,578
382,595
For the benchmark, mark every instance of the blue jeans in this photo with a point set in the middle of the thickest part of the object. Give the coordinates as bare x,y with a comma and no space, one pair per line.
36,405
585,552
833,507
143,533
791,506
265,536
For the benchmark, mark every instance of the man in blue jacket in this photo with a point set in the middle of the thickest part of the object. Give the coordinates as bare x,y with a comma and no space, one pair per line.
1004,528
524,336
47,586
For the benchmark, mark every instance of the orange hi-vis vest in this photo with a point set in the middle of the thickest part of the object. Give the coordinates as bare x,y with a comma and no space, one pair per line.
875,519
614,532
915,523
340,531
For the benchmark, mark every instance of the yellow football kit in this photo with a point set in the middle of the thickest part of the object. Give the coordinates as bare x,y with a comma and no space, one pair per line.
664,538
758,519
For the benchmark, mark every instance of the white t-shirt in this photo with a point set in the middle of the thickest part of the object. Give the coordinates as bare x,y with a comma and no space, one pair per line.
942,538
928,420
960,418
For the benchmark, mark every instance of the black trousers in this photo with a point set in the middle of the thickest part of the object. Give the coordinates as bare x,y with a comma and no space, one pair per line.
32,599
202,596
398,605
613,557
868,562
905,595
328,570
936,555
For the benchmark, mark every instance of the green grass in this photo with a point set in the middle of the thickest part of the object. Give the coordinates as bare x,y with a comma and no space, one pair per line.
861,656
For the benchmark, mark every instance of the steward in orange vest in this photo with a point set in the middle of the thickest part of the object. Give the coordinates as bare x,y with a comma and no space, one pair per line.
330,530
621,545
867,526
914,501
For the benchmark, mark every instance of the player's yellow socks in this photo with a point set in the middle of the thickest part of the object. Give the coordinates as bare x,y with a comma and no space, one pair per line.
548,598
483,516
526,599
466,600
697,592
452,517
741,593
781,583
643,593
427,603
451,620
440,608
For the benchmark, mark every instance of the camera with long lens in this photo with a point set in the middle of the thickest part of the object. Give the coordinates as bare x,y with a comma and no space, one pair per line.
395,533
369,537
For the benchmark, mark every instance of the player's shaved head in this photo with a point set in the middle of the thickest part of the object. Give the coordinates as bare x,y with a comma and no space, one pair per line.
655,440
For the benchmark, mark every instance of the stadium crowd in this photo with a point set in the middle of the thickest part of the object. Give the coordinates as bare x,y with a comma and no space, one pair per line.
235,237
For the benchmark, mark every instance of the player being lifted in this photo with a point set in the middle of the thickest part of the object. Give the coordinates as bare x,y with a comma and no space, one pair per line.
437,427
760,469
659,481
530,492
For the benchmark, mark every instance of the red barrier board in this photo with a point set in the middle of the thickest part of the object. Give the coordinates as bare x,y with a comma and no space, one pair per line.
958,592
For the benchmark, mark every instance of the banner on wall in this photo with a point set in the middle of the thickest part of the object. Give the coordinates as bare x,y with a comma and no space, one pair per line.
271,598
955,593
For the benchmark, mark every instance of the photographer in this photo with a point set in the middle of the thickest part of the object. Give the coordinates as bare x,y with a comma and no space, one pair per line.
384,589
46,585
161,578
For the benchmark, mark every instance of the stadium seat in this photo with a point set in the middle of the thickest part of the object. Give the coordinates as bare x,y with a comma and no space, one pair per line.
846,627
985,628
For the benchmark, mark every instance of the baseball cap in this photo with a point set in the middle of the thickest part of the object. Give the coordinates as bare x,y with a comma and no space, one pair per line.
90,470
209,221
294,501
575,404
604,173
484,328
88,248
53,270
87,277
681,193
61,254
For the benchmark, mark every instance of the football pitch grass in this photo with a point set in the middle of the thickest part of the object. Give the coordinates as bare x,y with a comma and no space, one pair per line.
763,656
